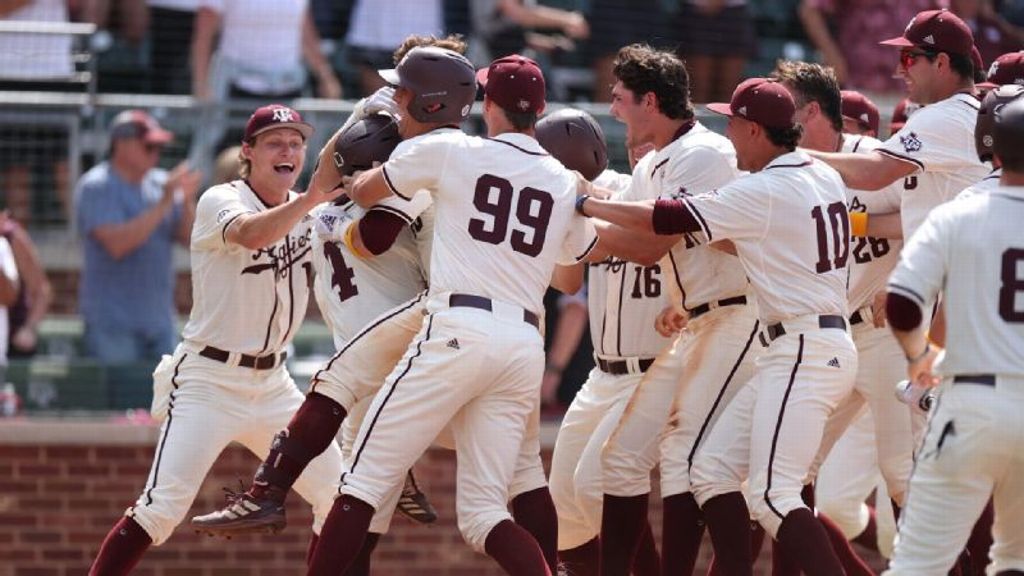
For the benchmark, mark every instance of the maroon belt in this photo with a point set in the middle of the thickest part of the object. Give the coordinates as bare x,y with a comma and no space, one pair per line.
245,360
473,301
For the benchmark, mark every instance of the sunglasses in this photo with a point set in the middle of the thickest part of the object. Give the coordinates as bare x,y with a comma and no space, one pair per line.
909,57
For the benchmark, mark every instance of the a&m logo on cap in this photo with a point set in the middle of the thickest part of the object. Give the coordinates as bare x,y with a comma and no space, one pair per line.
282,115
910,142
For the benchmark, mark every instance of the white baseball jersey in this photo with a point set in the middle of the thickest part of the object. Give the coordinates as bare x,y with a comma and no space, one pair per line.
504,212
624,297
988,184
939,140
871,258
246,301
9,269
794,269
698,161
352,291
973,252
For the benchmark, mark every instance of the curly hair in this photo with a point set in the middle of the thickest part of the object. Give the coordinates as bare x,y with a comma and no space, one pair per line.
644,69
813,83
453,42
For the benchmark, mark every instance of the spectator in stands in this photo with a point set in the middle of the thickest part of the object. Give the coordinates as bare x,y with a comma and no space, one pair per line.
859,61
379,26
993,35
504,27
570,318
618,23
8,293
718,38
129,214
34,293
31,62
171,23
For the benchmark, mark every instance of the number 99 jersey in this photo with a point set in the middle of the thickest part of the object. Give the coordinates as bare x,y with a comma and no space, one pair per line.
351,291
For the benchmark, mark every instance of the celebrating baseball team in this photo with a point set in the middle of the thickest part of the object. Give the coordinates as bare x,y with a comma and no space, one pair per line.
755,300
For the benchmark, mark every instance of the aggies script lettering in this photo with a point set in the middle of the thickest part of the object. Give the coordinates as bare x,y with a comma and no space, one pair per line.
281,256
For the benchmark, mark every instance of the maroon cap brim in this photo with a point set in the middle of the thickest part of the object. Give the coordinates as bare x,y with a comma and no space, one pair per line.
158,136
722,108
899,42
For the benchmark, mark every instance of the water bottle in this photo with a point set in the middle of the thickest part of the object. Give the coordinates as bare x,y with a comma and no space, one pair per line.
9,401
920,398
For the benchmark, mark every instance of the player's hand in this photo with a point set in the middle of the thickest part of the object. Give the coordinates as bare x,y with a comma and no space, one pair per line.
584,187
921,372
383,100
671,321
576,26
878,309
183,179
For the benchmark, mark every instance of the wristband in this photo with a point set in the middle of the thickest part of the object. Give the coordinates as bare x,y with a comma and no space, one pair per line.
347,239
919,357
579,205
859,224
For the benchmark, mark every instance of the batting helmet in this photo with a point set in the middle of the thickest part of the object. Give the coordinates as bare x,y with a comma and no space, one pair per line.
991,107
370,140
576,140
443,84
1008,132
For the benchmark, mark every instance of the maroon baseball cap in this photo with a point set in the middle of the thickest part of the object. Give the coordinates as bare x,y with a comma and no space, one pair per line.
139,124
904,108
275,116
859,107
515,83
936,31
1007,69
760,100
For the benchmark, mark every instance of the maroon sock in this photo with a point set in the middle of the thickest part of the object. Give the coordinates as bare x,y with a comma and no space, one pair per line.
802,537
980,541
515,550
535,512
852,563
121,549
341,538
756,541
783,564
682,530
583,560
310,432
728,523
622,526
895,510
647,561
868,537
807,495
361,567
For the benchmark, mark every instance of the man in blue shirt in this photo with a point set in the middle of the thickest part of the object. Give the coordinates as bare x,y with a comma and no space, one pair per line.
129,214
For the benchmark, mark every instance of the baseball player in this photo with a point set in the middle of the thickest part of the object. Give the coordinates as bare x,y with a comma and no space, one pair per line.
227,380
971,449
773,426
880,366
984,136
489,270
624,300
700,373
860,114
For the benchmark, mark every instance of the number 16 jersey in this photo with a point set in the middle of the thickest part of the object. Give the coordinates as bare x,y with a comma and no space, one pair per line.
504,212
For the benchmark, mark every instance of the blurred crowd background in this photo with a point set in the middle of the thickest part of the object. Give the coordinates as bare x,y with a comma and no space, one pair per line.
89,312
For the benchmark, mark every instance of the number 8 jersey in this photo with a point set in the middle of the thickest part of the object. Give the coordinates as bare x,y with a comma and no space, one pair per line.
504,212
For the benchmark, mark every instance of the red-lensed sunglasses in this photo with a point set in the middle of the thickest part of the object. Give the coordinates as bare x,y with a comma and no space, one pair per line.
909,57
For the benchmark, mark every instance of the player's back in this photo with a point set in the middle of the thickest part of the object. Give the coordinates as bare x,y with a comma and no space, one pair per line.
504,217
983,244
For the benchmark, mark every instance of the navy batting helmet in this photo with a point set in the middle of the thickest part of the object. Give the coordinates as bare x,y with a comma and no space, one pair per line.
1008,133
576,140
991,106
443,83
370,140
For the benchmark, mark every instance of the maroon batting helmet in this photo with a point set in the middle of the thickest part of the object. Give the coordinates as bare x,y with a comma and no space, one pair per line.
443,84
576,140
984,130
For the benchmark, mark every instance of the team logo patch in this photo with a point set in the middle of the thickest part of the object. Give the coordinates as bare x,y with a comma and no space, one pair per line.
453,344
465,110
523,104
910,142
223,214
929,39
742,111
282,115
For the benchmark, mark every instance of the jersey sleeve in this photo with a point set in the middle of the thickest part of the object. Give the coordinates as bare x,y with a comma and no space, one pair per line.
416,164
579,241
731,213
925,142
217,209
699,169
920,273
407,210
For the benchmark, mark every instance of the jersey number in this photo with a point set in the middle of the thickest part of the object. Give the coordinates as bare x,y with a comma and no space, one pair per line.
1013,285
533,211
839,223
341,275
879,248
649,286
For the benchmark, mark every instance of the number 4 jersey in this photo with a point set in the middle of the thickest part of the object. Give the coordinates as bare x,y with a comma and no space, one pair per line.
973,251
871,259
503,208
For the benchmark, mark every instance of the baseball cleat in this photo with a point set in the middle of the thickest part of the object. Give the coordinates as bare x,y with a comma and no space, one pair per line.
413,503
243,514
